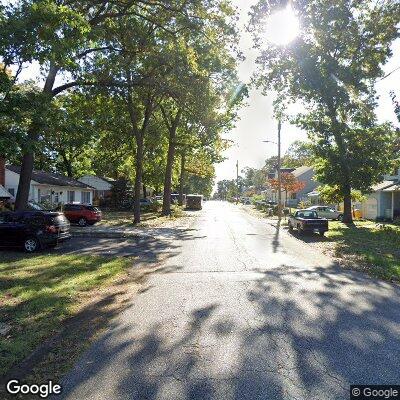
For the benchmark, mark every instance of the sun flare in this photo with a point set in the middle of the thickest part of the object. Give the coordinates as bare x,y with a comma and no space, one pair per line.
282,27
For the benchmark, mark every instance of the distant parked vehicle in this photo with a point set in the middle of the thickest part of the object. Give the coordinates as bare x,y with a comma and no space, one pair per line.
174,198
308,221
145,202
327,212
33,230
194,202
82,214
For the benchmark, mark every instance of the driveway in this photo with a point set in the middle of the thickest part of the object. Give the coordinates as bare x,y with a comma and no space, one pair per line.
243,311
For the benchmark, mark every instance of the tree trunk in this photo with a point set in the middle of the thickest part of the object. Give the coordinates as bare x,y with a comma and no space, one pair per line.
166,210
346,183
172,127
24,185
182,178
138,178
67,164
347,214
28,159
144,191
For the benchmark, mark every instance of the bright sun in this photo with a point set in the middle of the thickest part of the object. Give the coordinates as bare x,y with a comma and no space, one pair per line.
282,27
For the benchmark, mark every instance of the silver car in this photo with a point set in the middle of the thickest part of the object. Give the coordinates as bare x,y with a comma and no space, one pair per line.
327,212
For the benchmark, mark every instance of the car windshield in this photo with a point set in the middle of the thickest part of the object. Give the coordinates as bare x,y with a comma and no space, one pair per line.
307,214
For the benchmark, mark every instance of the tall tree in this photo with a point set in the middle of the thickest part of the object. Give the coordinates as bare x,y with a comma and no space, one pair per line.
64,37
331,68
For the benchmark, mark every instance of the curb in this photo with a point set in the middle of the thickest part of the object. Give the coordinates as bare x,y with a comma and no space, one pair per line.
110,235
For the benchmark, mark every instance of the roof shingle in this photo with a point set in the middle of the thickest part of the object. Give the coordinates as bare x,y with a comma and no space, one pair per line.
49,178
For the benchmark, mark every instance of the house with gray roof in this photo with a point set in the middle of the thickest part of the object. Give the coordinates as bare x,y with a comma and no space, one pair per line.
48,187
102,185
303,174
384,201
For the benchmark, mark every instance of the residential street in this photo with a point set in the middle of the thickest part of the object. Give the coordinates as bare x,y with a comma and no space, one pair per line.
243,311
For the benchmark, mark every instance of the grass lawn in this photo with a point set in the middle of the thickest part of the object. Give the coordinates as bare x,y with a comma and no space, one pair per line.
369,246
124,219
39,292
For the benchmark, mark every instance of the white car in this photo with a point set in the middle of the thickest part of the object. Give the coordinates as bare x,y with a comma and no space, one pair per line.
327,212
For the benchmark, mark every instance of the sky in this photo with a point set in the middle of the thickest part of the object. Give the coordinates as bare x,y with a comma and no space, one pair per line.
256,120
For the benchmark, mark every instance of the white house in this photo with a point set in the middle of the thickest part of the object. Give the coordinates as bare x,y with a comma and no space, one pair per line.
49,187
4,195
101,185
384,201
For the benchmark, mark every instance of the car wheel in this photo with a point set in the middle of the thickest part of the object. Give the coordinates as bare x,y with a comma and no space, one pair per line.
321,233
340,218
82,222
31,245
300,230
290,227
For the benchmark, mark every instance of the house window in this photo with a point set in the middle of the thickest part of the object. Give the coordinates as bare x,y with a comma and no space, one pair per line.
86,197
12,192
293,196
71,196
39,196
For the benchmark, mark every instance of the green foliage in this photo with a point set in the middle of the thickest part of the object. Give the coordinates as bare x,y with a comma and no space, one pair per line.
228,189
331,68
196,184
22,107
121,194
299,154
124,62
255,178
332,195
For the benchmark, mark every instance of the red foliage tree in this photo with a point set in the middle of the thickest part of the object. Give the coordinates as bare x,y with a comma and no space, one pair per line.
289,183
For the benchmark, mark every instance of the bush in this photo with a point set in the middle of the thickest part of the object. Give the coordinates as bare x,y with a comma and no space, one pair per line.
304,204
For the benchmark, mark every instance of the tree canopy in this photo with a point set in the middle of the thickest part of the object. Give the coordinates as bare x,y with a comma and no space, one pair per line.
331,68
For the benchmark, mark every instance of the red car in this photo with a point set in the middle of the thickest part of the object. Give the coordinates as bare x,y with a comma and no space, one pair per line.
82,214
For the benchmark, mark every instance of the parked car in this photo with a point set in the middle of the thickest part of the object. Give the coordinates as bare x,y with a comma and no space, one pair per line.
145,202
82,214
327,212
33,230
308,221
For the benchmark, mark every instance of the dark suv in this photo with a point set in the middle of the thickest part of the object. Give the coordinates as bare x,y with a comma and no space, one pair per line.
33,230
82,214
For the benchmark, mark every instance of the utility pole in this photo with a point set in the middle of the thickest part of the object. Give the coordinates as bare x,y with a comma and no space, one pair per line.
279,171
237,181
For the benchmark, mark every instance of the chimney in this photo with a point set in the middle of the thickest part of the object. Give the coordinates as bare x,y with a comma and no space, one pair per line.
2,171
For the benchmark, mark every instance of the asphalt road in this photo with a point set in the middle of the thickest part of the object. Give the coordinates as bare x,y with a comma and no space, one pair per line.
242,311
